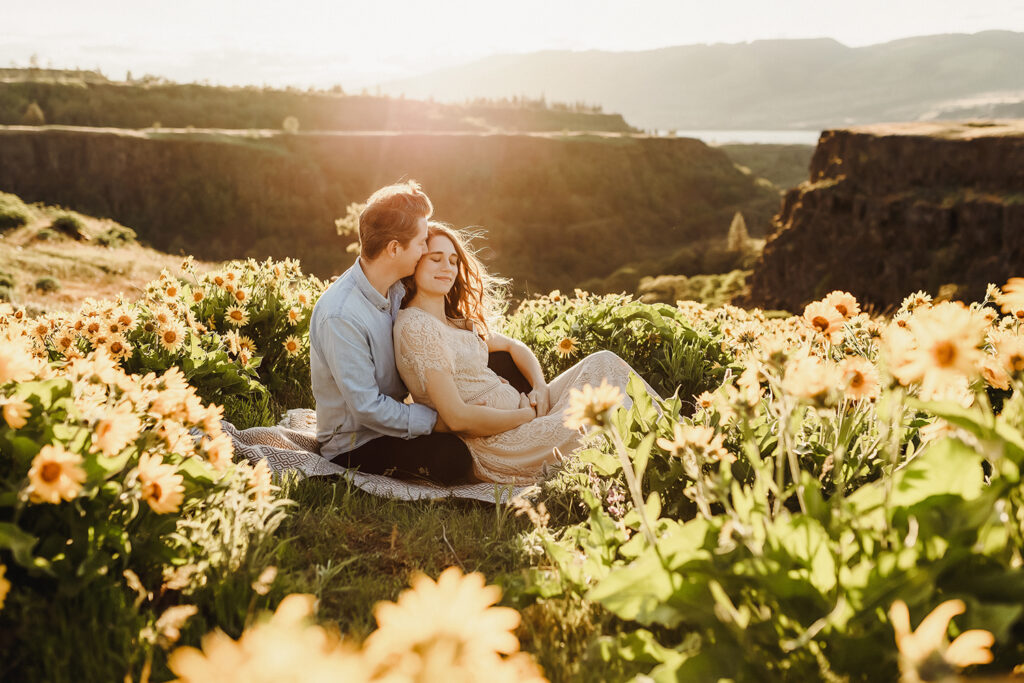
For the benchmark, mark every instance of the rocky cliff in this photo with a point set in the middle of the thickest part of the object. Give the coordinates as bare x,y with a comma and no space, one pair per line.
558,209
893,208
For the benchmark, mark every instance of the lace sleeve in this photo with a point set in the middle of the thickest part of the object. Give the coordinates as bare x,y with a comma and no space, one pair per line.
420,346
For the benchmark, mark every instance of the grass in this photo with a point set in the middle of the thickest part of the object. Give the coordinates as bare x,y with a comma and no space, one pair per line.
352,550
84,268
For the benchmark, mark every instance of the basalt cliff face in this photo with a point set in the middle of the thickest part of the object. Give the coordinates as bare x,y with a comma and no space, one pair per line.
893,208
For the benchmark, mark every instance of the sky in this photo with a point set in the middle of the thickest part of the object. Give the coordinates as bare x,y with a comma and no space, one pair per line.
359,44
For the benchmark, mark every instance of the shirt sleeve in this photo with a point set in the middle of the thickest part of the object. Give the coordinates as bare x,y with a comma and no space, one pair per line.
347,354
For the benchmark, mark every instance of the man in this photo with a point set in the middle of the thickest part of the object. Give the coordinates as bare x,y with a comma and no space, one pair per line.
361,418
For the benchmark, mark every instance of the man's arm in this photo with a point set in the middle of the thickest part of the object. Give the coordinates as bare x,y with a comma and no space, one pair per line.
347,353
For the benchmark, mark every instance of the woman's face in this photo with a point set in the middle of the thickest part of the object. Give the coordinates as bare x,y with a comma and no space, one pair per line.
436,271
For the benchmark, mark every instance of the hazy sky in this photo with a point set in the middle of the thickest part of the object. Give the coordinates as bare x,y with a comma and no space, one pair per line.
319,42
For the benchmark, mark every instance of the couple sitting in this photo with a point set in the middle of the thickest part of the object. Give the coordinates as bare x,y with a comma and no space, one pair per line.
411,316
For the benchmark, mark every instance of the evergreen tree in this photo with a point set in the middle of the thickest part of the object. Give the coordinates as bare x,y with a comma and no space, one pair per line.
738,237
33,115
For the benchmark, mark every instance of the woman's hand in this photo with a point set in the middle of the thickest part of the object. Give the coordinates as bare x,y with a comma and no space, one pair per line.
540,399
526,402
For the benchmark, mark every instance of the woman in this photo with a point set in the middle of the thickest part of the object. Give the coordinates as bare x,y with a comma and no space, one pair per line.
442,342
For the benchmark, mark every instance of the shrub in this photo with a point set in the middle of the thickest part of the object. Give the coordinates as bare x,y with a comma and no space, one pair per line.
69,224
47,284
46,235
116,236
13,212
656,340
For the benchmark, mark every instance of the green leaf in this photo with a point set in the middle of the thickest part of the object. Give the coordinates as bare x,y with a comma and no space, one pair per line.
19,543
642,455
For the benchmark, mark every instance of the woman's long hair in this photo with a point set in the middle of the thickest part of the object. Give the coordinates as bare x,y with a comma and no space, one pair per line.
476,295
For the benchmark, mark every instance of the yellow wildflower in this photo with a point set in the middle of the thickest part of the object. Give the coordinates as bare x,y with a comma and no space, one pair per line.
844,302
172,336
567,347
824,319
927,644
859,378
236,316
5,585
294,315
945,347
113,433
587,406
287,647
698,440
260,482
162,486
16,412
219,451
16,363
1012,299
56,474
455,614
292,345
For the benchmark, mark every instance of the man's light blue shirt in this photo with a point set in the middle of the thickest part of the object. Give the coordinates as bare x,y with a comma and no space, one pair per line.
352,367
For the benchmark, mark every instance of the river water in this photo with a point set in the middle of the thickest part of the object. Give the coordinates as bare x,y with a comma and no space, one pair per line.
747,137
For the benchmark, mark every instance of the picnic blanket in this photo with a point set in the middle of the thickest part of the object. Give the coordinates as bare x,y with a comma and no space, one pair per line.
291,446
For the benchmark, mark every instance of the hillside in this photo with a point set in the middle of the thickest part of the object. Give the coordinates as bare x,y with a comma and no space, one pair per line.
785,166
765,84
43,269
557,210
172,105
890,209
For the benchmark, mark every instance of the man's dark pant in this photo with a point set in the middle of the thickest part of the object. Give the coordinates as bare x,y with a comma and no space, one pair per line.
441,458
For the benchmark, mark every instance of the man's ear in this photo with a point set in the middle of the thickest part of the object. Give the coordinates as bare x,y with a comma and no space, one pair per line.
392,248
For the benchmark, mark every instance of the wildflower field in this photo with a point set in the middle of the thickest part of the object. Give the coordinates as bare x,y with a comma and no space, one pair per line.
825,496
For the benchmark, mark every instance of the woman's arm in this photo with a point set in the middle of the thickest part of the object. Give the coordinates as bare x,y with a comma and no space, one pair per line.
528,364
467,419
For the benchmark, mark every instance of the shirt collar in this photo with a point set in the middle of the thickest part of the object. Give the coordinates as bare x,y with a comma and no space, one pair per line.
381,303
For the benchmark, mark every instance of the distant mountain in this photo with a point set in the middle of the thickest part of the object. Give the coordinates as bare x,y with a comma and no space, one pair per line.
765,84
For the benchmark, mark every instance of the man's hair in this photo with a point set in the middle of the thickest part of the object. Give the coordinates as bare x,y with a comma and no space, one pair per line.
391,213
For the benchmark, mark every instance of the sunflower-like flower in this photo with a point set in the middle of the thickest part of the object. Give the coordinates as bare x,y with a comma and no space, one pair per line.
1010,352
294,315
942,350
118,346
219,451
116,431
16,412
825,319
810,377
567,347
56,474
285,648
162,486
924,654
859,378
241,295
16,363
588,406
445,626
292,345
236,316
1012,298
844,302
698,440
5,585
260,482
172,336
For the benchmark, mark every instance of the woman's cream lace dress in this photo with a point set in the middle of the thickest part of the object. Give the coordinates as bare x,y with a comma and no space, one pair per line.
422,342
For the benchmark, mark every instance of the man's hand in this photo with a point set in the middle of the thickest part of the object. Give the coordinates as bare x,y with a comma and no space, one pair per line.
540,399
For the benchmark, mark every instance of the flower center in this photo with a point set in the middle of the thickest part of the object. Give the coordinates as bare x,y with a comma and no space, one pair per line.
945,353
857,381
820,323
50,472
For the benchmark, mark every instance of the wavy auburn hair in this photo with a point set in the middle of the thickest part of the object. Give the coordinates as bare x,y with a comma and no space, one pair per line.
476,295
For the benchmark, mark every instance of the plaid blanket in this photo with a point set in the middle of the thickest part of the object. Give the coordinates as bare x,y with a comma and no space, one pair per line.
292,446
